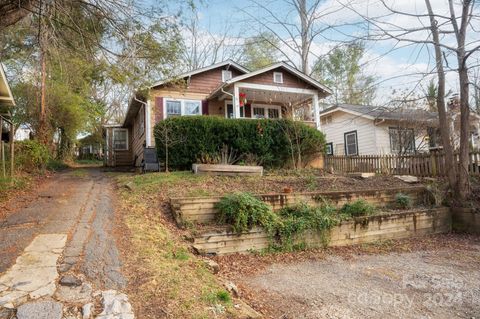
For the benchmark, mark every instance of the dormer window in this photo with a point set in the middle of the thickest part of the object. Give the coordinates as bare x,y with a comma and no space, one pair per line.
226,75
277,77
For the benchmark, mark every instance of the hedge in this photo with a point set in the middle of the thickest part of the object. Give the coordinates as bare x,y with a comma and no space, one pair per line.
191,137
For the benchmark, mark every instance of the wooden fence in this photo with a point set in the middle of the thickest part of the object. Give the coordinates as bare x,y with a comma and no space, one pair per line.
423,165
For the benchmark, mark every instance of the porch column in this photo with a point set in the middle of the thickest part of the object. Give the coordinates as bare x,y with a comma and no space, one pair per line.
236,101
316,110
148,138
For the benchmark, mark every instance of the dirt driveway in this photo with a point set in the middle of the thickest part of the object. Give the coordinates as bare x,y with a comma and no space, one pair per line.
59,248
439,281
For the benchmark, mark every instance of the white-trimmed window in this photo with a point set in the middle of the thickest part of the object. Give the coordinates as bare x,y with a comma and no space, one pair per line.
229,112
351,143
329,148
277,77
266,111
182,107
326,120
226,75
120,139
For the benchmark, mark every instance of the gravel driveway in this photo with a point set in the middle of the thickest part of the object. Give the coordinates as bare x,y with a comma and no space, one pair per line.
421,284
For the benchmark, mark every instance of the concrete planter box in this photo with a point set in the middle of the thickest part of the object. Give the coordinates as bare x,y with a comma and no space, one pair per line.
229,170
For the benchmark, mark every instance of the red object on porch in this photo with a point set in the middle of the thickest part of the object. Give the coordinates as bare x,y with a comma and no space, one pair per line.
243,98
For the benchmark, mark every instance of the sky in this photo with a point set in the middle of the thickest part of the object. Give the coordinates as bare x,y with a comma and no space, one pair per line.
396,65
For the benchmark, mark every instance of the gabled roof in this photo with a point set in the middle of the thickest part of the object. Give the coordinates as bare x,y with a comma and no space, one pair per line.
204,69
6,97
274,66
382,113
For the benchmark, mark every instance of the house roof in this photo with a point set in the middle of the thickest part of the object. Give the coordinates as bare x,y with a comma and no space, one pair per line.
283,65
6,97
382,113
204,69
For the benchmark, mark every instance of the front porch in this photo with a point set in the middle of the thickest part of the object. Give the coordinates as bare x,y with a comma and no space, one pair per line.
257,101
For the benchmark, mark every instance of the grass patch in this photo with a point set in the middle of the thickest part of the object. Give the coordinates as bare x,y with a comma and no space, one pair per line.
82,173
164,276
7,185
89,162
360,207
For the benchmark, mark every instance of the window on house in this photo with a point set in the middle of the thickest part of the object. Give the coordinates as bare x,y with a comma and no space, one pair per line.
329,149
230,114
174,108
402,140
258,112
120,139
273,114
192,107
351,143
326,119
183,107
226,75
277,77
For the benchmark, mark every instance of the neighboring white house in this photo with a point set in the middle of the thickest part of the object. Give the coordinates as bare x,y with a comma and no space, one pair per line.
366,130
22,133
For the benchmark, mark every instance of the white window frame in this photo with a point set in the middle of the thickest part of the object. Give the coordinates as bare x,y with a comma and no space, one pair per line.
275,74
225,72
265,108
182,107
242,116
113,139
356,142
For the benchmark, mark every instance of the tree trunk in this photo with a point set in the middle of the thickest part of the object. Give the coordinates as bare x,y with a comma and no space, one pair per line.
42,130
442,114
463,183
302,5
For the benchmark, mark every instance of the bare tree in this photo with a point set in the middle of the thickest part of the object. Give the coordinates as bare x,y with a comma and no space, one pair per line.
452,39
295,39
201,47
168,138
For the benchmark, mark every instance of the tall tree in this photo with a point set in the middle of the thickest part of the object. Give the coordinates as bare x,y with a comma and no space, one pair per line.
341,70
451,33
295,23
260,51
79,57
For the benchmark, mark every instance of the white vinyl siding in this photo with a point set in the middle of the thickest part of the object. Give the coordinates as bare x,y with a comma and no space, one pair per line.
342,123
383,139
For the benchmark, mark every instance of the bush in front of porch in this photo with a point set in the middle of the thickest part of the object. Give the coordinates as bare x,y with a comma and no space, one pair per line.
275,143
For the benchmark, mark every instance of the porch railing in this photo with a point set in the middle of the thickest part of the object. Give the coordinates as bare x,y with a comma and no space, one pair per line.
422,165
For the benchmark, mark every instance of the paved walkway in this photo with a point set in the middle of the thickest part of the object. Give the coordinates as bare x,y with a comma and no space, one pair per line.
58,257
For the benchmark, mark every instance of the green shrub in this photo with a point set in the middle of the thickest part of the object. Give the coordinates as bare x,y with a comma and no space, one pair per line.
360,207
265,140
295,220
243,211
403,201
31,155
